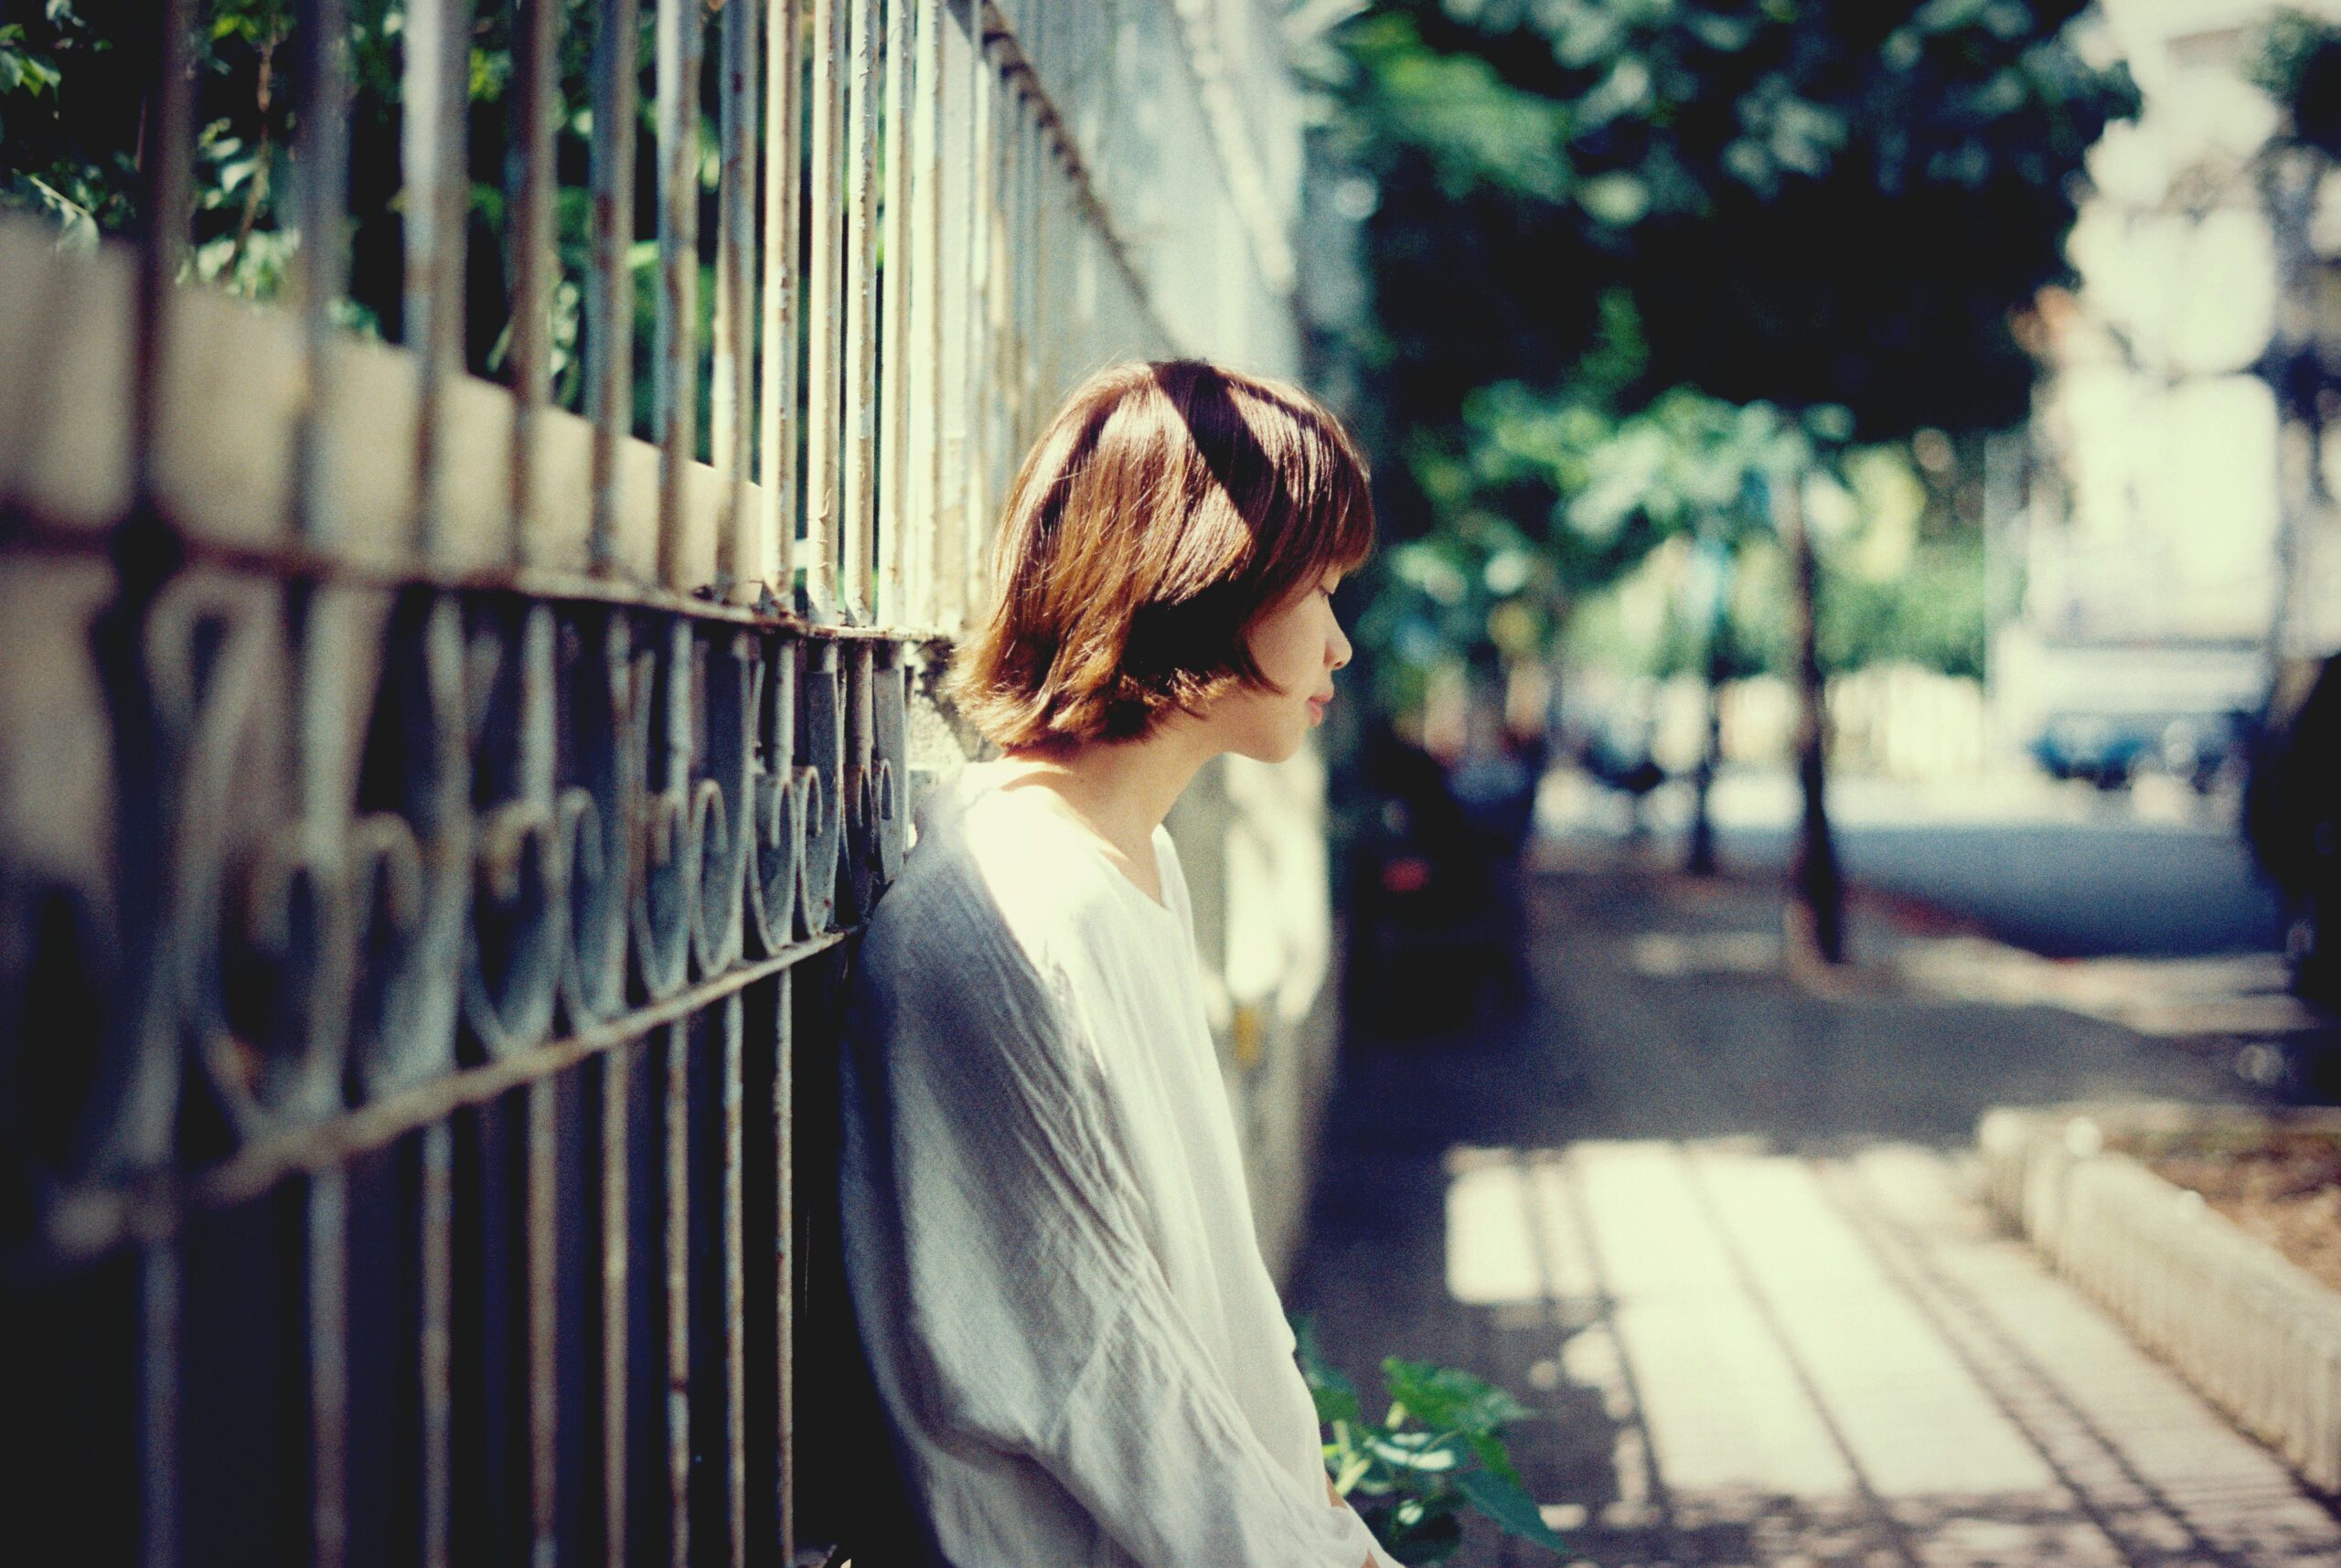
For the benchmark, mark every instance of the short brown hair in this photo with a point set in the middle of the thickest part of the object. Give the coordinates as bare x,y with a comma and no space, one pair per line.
1165,510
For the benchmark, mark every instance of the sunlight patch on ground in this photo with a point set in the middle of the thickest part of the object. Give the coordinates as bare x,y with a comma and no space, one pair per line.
2166,997
1659,955
1840,1360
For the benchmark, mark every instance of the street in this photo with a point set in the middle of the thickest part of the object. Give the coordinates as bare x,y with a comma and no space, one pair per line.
2060,870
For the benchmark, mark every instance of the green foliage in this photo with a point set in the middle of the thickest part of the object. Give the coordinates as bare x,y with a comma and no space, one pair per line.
2298,63
1787,198
1932,614
1683,463
1439,1451
68,150
1901,581
1611,238
40,169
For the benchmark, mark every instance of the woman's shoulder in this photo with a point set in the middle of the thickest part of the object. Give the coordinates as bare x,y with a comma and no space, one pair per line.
984,864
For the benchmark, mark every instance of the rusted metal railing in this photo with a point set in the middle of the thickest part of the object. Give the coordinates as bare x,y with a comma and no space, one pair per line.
428,814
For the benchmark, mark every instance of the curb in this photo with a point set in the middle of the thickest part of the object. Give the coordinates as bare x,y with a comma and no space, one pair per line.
2254,1333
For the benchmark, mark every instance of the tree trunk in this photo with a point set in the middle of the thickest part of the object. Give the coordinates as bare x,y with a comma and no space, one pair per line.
1816,919
1701,859
2288,184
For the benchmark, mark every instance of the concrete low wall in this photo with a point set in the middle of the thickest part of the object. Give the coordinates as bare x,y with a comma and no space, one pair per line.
2253,1332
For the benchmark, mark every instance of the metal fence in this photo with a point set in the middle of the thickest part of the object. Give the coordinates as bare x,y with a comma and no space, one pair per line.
433,821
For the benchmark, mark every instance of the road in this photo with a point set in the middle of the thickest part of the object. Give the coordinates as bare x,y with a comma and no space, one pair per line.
2058,869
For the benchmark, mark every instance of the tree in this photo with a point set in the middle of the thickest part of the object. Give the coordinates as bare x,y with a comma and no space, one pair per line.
1686,465
68,151
2298,64
1765,200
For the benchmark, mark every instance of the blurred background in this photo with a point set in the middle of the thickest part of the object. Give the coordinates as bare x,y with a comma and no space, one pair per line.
1950,384
1851,666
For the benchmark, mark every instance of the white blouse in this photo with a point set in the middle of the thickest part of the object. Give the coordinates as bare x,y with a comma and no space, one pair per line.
1047,1236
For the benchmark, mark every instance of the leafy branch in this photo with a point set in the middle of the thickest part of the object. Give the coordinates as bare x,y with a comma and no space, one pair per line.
1439,1451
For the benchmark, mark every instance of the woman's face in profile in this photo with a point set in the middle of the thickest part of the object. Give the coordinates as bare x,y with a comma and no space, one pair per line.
1297,646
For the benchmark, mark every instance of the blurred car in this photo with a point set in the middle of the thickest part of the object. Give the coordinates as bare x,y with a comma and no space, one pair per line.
2291,818
2109,750
1429,890
2107,710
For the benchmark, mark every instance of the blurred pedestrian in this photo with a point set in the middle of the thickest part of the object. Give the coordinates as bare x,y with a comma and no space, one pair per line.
2292,815
1495,780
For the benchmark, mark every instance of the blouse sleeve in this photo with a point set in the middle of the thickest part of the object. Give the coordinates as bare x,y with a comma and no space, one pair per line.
1039,1318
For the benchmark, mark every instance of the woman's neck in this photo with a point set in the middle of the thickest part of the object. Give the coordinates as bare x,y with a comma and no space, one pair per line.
1120,789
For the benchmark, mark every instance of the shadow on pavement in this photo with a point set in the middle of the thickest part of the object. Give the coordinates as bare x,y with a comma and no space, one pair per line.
1716,1227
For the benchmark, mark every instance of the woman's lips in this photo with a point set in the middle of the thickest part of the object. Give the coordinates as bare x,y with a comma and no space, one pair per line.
1317,709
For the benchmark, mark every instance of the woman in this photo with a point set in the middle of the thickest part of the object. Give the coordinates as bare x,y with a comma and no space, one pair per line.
1048,1239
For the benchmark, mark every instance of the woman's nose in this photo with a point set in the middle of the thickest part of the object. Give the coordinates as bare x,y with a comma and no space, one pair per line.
1342,644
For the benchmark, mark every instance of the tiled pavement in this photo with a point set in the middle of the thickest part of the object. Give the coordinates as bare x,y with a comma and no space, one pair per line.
1719,1231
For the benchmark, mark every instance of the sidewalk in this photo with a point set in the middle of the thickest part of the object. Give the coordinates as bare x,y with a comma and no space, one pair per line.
1718,1231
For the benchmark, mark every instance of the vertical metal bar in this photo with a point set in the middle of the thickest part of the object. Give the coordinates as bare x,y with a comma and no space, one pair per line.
1029,240
609,279
1002,261
1052,295
1007,263
962,43
739,563
437,1350
982,404
168,155
675,359
778,424
544,1367
536,268
1016,172
1061,227
919,508
320,262
1039,190
321,156
860,778
785,1256
824,314
1098,119
612,1071
544,1237
902,276
735,1284
1002,283
863,105
159,1399
329,1341
676,1100
322,1310
1040,177
438,186
1051,271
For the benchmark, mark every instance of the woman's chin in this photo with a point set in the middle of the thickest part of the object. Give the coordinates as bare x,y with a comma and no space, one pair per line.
1281,747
